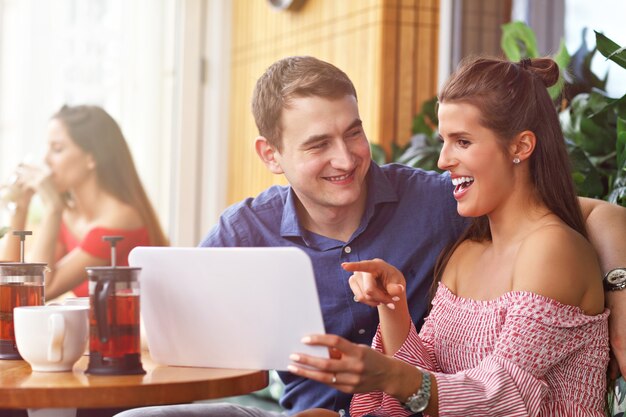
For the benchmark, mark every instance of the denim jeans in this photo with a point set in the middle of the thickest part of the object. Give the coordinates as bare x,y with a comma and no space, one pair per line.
200,410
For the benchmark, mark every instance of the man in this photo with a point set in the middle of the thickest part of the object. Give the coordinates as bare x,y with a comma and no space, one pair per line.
340,206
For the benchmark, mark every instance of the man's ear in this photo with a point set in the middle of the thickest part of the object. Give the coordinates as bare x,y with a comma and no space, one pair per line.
268,154
91,162
523,145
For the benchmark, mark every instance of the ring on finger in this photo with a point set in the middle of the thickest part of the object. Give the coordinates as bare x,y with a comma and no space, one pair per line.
356,299
334,380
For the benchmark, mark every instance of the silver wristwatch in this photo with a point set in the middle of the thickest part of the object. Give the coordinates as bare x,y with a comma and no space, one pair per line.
615,279
419,401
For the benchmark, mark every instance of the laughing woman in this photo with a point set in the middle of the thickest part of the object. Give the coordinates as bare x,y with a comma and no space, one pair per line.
518,325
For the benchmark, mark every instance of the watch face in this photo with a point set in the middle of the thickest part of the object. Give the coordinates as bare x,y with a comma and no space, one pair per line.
616,277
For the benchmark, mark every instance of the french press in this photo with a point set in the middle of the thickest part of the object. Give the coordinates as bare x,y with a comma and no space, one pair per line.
114,344
21,284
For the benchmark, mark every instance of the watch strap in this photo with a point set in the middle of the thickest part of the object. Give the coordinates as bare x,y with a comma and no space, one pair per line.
419,401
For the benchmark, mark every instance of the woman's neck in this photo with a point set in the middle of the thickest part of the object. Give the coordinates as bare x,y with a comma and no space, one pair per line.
515,219
88,199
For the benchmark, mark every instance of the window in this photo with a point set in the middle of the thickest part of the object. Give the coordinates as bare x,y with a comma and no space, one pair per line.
114,53
607,18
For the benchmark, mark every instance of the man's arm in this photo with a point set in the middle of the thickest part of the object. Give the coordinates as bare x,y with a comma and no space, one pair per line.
606,226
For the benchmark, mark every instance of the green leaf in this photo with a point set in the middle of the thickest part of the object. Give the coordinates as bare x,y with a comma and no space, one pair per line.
397,150
610,104
620,389
620,146
562,58
423,152
618,196
429,109
378,154
586,177
425,121
611,50
594,138
518,41
587,123
421,126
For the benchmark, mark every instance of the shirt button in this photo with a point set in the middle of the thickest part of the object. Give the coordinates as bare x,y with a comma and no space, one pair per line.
347,249
361,331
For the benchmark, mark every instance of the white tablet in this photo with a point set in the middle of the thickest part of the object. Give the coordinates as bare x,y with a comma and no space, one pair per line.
245,308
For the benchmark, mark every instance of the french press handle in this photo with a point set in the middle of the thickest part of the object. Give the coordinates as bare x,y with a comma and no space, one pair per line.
102,290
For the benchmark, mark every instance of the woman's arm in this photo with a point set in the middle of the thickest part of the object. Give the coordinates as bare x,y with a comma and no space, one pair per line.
10,246
379,284
11,243
69,272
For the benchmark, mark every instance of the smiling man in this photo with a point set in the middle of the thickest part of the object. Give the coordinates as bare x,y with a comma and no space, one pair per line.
325,156
339,207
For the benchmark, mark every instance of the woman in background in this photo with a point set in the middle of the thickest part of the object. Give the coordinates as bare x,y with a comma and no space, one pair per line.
89,189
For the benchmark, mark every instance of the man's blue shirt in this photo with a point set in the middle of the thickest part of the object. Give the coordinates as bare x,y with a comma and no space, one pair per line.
410,216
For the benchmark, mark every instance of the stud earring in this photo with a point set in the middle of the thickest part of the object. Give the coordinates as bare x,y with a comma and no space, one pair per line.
516,160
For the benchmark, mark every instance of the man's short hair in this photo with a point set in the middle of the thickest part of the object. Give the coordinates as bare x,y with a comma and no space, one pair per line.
289,78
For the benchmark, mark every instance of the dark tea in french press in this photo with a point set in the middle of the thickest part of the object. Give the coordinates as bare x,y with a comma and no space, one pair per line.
21,284
114,340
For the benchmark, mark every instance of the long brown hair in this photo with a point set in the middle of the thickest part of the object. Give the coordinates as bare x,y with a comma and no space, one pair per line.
96,133
513,97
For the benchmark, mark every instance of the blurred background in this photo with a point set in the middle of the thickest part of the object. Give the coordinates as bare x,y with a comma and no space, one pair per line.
178,75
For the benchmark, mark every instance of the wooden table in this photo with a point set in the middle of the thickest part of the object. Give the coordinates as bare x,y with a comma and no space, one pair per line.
60,393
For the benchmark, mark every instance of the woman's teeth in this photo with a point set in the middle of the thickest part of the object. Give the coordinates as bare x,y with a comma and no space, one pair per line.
462,182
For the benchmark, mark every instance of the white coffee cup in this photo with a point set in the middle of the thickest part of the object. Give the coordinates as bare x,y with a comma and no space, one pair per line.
76,301
51,338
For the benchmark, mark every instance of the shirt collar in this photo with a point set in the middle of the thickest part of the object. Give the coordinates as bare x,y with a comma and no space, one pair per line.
379,190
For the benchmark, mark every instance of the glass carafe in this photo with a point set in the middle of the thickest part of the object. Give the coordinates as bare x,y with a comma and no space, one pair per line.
114,338
21,284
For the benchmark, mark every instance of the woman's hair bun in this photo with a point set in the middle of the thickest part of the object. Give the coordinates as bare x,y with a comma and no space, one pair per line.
544,68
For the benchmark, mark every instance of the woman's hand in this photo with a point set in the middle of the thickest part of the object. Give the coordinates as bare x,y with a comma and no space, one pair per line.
356,368
375,282
351,368
15,193
36,178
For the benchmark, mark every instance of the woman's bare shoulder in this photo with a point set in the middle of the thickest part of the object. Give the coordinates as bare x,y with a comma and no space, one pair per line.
119,215
558,262
462,260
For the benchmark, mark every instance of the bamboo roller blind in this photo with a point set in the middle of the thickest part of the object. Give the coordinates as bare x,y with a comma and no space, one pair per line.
388,48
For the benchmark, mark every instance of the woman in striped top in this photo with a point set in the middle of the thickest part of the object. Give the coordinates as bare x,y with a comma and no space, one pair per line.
518,325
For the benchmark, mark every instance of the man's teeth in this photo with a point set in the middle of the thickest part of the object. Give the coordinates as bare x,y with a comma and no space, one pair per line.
460,180
339,178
